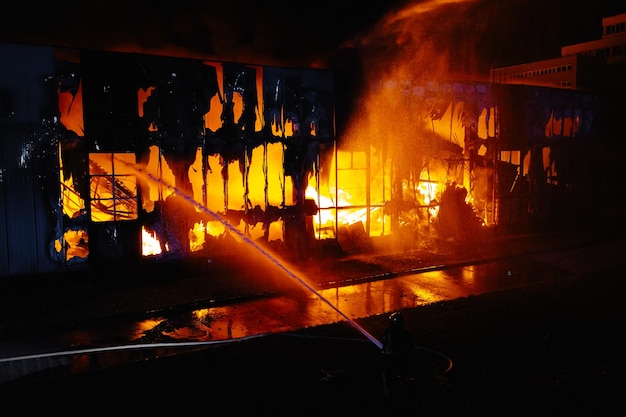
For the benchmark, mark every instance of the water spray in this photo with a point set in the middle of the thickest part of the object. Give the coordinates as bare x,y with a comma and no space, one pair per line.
258,248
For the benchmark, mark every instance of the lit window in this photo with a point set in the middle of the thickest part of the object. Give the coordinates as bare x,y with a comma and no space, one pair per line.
113,187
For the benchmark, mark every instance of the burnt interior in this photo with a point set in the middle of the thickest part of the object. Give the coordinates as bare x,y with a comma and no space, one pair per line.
131,158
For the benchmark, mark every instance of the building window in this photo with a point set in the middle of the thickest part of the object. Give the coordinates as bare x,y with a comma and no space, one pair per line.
617,28
113,187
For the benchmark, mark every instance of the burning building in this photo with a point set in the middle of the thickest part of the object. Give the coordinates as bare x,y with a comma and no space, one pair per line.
124,158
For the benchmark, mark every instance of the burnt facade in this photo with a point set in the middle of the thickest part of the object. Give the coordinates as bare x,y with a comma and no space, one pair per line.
106,154
122,159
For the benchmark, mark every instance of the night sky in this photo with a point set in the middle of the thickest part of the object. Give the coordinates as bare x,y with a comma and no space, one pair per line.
474,35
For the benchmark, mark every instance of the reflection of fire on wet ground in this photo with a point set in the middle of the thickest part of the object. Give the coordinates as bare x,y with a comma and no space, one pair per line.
194,327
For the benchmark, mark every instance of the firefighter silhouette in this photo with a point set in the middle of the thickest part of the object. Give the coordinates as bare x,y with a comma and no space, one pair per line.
397,343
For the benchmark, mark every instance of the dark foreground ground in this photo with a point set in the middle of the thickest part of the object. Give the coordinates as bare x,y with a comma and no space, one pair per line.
549,349
553,348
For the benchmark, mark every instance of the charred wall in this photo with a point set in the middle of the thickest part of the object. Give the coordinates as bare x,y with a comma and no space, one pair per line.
90,169
556,132
77,143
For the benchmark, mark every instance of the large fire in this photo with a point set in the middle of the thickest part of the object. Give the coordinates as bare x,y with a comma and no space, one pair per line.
416,144
359,195
370,186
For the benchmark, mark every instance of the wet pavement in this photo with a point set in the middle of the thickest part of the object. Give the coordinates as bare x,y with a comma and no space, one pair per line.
306,308
367,292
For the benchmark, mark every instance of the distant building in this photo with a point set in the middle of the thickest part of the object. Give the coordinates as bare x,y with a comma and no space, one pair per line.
592,65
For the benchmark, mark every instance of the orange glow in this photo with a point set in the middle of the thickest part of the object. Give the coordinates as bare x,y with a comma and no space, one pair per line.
401,147
215,198
196,237
142,97
266,165
71,110
212,119
194,174
412,125
324,222
76,244
157,167
215,228
145,326
113,191
411,134
185,333
289,128
149,243
72,203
